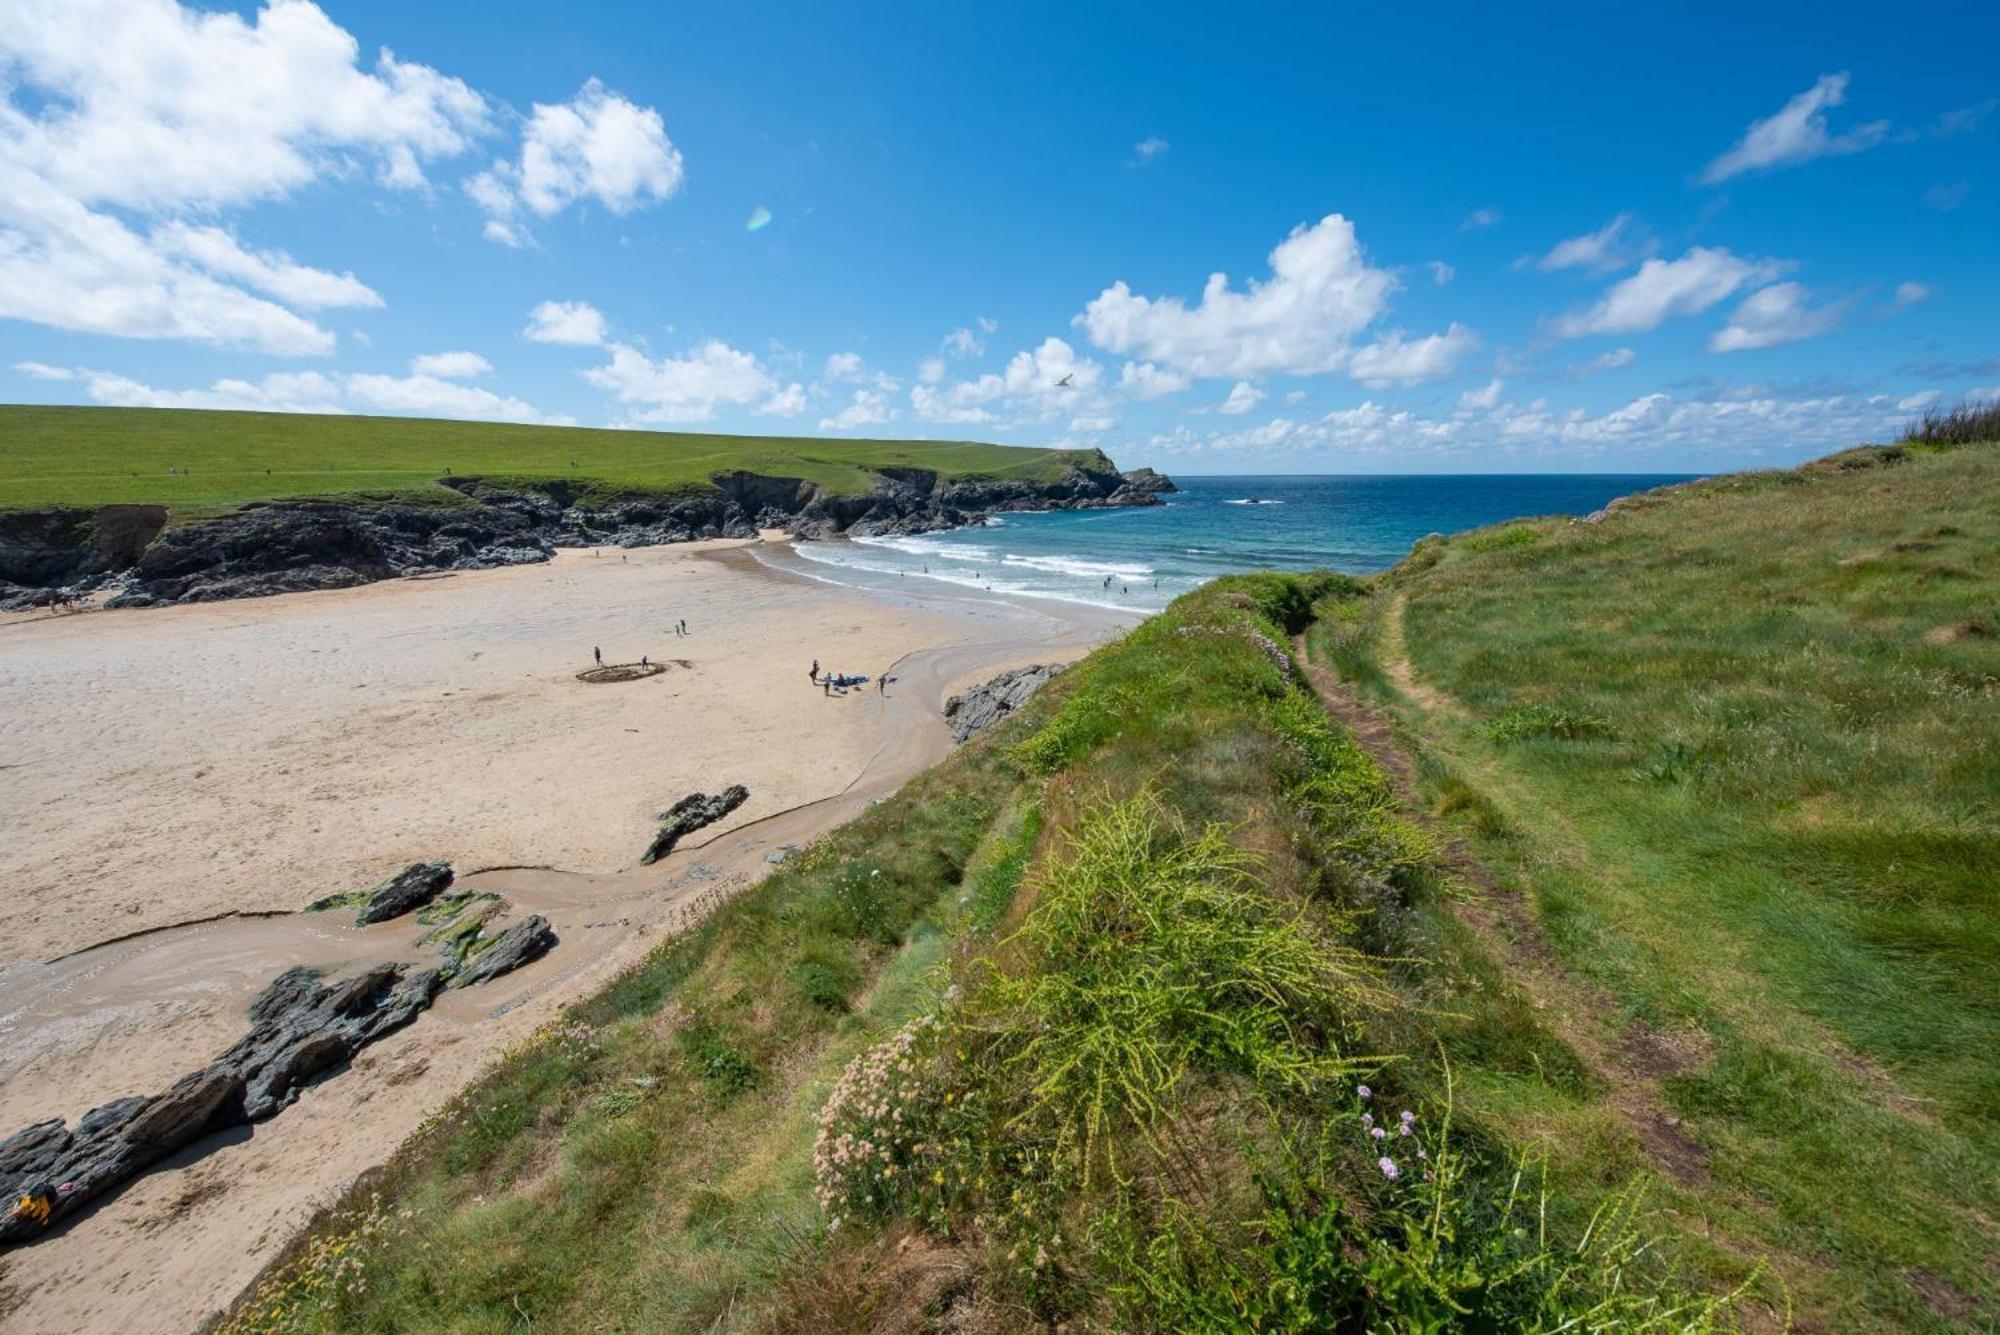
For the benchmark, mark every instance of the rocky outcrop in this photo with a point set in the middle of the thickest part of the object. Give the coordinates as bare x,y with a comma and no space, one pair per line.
983,706
300,1031
43,551
522,943
409,889
689,814
298,545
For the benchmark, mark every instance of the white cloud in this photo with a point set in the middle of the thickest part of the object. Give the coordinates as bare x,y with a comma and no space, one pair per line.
151,106
1736,428
964,343
1441,273
1043,384
1393,360
683,389
868,408
1663,288
1797,133
931,370
1909,294
143,107
451,365
43,371
596,146
1486,397
1093,424
1301,320
574,322
1609,361
1151,147
844,366
1773,315
317,392
270,271
1479,218
1144,380
787,402
1600,251
1916,403
1243,396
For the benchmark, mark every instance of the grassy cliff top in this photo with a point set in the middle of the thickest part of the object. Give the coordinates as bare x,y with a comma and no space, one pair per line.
97,456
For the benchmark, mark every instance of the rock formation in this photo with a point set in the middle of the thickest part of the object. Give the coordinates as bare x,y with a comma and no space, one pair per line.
690,814
411,888
294,545
983,706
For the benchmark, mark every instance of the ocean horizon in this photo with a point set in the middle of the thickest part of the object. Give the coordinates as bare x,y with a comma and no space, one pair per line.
1143,558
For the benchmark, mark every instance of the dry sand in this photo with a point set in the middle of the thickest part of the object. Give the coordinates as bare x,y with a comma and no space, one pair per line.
164,771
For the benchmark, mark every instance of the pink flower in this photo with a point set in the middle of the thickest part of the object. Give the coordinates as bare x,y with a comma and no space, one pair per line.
1364,1092
1388,1167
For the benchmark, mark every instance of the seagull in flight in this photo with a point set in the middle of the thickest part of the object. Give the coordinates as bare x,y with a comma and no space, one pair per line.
1064,382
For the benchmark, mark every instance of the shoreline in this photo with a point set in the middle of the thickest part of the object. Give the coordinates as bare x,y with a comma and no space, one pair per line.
108,1018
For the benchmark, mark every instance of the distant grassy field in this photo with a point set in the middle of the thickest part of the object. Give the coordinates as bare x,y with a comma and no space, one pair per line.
1739,749
220,460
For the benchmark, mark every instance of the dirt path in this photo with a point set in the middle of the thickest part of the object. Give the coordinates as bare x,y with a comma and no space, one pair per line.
1394,654
1629,1063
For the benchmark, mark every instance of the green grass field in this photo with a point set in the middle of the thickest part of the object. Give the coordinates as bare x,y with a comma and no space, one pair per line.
1739,748
221,460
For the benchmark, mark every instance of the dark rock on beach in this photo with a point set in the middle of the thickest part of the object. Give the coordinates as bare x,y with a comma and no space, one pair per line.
301,1030
294,546
522,943
983,706
409,889
689,814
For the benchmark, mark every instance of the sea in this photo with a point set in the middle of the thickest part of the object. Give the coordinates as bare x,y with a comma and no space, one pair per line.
1144,557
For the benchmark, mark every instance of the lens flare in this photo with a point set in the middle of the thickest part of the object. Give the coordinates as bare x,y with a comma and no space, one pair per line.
760,218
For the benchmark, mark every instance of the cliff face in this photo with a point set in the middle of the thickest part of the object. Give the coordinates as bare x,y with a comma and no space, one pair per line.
289,546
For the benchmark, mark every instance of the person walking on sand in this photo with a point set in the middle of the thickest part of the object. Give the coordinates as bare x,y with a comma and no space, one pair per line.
643,662
814,674
598,654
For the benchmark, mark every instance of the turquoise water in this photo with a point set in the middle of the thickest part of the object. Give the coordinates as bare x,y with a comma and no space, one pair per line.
1144,558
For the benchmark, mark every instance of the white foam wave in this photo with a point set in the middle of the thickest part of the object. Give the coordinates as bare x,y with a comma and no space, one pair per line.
1078,567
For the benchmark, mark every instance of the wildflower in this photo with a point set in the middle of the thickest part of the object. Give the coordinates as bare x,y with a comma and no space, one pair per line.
1388,1167
1368,1119
1377,1132
1403,1130
1406,1117
1364,1092
1421,1154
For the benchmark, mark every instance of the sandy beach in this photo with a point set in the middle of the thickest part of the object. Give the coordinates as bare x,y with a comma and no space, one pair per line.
166,776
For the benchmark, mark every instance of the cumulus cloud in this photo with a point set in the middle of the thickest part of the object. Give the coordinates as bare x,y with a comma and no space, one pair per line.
1243,396
1045,383
1394,360
1600,251
1302,320
1485,397
932,370
1441,273
596,146
113,110
1773,315
418,394
1796,133
1144,380
868,407
1737,426
1609,361
691,387
451,365
964,343
577,323
1662,288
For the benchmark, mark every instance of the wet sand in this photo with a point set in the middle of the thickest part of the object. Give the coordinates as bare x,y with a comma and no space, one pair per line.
193,765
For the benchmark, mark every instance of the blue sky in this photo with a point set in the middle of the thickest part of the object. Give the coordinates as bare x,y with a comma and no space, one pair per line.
1474,240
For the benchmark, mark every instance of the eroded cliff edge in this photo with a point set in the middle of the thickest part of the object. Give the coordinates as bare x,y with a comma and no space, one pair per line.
475,523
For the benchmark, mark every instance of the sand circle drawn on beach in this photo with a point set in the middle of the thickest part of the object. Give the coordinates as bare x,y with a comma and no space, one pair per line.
610,672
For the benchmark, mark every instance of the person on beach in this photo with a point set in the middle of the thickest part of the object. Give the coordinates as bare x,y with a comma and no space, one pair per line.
598,654
643,662
814,674
684,626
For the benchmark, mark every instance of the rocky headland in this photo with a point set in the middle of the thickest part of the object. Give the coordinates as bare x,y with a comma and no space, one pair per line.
285,546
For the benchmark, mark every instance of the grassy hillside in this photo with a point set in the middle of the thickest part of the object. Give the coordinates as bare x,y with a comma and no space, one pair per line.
1737,748
1093,1024
219,460
1632,880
